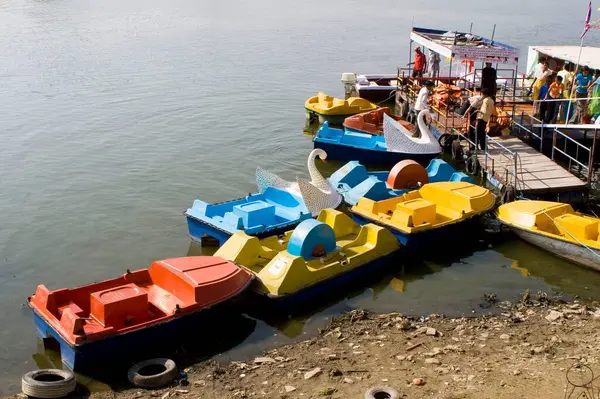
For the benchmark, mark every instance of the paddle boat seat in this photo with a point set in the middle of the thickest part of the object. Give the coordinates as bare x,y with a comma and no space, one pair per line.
578,227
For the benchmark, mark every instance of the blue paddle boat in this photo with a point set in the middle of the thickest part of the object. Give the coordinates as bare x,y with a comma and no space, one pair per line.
269,213
354,182
396,144
279,206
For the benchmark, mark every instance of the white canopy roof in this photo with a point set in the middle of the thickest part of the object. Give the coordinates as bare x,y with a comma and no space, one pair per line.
590,56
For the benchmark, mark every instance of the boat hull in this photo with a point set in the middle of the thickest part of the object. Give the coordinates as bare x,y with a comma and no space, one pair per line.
569,251
327,286
377,94
366,156
430,239
131,346
199,229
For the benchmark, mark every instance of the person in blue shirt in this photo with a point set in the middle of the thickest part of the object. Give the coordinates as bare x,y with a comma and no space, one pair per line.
582,82
542,96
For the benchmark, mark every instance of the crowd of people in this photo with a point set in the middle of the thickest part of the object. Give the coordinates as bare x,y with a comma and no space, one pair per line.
565,95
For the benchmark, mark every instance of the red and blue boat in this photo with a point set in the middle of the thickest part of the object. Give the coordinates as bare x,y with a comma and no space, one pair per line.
126,316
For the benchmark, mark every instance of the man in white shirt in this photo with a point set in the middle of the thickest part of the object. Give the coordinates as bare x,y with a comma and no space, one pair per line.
422,103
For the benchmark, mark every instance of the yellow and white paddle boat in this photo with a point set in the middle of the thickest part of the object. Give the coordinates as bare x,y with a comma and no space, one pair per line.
335,110
556,228
431,215
316,256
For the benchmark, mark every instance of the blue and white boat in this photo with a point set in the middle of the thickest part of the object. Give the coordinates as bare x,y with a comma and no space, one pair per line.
354,182
396,144
279,206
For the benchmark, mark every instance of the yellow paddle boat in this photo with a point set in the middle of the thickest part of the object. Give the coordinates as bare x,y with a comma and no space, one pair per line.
432,215
556,228
335,110
314,258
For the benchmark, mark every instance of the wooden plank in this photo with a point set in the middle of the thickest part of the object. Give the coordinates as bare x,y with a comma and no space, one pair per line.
537,172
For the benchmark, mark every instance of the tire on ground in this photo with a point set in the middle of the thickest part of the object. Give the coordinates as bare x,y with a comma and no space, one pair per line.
48,383
153,373
381,393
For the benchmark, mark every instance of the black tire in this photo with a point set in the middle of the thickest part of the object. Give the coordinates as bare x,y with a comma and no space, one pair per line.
472,165
48,383
508,194
457,151
445,141
382,393
153,373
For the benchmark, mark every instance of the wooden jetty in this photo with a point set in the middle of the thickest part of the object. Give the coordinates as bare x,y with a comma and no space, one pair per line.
536,174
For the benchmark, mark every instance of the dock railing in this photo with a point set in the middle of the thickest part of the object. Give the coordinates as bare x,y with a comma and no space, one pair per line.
560,140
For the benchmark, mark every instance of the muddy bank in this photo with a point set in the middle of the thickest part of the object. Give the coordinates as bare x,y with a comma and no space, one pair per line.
528,350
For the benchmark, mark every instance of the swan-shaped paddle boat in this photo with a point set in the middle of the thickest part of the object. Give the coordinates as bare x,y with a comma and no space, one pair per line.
354,182
396,144
317,194
278,206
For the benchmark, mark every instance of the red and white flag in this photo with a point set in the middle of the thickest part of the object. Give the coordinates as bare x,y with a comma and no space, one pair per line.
588,17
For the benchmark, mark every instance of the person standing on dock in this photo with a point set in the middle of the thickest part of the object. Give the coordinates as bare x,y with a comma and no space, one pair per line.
422,103
582,82
555,94
434,64
488,78
420,63
541,74
483,117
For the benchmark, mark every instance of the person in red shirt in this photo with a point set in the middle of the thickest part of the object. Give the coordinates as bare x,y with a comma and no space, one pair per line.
420,64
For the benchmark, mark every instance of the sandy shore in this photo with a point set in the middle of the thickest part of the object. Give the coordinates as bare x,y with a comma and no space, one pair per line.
527,351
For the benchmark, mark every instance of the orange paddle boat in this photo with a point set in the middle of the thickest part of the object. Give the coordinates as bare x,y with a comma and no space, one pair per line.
371,122
129,314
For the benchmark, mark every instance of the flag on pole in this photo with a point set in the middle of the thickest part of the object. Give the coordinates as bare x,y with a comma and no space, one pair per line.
588,17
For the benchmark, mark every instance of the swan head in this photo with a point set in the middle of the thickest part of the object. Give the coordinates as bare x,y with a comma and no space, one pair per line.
319,153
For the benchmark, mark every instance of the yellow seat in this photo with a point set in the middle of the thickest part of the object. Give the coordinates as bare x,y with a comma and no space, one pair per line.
579,227
415,212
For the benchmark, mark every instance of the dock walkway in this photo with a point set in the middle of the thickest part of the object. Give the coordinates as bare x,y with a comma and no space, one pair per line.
536,173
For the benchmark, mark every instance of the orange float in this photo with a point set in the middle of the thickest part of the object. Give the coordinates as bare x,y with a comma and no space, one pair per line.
407,174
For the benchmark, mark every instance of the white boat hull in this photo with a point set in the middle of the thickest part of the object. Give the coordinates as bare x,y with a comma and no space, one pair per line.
575,253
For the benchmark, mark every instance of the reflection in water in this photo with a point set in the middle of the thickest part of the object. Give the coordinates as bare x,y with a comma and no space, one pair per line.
560,274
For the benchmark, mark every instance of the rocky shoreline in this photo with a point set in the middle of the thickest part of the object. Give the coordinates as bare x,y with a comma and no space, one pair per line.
535,348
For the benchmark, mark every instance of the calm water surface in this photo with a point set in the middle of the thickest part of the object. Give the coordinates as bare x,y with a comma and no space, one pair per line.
115,115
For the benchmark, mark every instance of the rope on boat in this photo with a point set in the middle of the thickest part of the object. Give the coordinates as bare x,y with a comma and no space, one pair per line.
566,231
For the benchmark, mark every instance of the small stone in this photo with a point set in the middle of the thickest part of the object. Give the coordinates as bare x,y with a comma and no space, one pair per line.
405,325
431,332
348,380
289,388
516,372
470,377
432,360
242,375
418,381
263,360
358,352
553,316
265,382
332,356
310,374
280,358
485,335
200,383
384,380
505,336
400,357
165,396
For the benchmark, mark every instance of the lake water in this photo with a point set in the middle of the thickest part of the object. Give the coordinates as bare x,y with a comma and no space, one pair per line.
115,115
